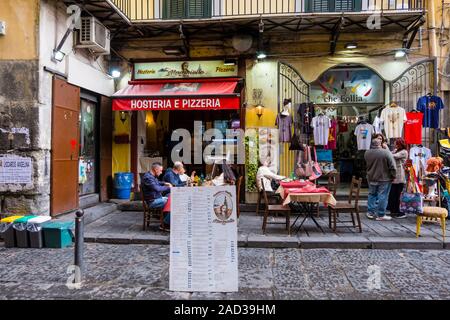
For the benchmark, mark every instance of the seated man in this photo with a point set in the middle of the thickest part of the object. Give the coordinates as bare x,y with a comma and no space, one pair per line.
153,188
172,176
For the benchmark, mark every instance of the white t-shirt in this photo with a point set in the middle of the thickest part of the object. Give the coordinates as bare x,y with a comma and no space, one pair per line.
321,125
363,133
419,157
378,125
393,119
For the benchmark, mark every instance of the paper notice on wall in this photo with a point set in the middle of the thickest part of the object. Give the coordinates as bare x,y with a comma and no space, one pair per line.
203,239
15,170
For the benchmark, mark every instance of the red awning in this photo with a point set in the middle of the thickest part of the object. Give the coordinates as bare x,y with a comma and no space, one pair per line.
178,95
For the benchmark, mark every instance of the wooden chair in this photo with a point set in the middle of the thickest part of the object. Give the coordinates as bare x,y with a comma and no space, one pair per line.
350,206
333,182
276,208
150,213
238,195
274,197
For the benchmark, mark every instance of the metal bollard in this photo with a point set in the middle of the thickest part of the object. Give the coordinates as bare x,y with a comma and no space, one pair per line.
79,241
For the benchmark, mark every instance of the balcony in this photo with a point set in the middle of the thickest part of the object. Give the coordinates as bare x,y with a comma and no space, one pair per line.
134,19
140,11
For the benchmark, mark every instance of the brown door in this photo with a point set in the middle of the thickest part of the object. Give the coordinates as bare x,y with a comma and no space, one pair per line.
106,119
65,147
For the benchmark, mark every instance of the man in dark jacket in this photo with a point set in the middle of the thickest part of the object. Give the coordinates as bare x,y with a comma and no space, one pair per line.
172,176
381,172
153,189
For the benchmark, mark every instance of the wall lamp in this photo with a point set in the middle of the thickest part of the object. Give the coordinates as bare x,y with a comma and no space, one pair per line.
259,110
123,116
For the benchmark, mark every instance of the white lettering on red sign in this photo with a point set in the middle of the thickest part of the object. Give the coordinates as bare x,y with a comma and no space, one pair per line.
177,103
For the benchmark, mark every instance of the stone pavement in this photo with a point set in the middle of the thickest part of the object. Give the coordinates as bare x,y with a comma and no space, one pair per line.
141,272
126,227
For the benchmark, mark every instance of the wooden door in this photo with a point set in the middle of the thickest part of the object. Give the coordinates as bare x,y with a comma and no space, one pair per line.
106,121
65,147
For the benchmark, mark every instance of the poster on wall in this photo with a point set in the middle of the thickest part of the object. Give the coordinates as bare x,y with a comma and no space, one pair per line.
183,69
348,86
268,147
203,239
15,170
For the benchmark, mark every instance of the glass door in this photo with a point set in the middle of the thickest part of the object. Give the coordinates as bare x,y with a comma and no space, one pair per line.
88,148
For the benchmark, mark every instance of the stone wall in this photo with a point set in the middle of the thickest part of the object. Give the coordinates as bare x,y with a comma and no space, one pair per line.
19,136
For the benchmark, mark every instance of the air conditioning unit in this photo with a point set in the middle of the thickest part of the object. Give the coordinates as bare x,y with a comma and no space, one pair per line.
94,36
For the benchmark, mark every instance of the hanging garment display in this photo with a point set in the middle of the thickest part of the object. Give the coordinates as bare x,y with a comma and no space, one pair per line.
363,133
393,118
284,124
413,127
343,126
321,125
305,114
419,156
430,106
332,136
378,125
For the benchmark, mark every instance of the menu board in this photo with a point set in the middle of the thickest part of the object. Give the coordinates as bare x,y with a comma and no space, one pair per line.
15,170
203,239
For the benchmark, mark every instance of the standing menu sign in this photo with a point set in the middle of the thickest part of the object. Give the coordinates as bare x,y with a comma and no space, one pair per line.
15,170
203,239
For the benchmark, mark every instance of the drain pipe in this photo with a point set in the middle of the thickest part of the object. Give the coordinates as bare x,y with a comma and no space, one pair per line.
432,29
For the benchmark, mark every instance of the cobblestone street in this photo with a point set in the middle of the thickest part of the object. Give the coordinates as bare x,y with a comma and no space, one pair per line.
142,272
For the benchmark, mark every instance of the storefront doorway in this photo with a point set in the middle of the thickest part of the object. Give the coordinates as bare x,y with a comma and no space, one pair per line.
88,148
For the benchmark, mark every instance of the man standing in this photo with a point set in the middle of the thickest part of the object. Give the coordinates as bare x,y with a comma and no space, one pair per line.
381,172
153,188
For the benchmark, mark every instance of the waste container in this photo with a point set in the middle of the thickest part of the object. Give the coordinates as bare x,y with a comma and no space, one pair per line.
7,230
123,182
21,234
35,233
58,234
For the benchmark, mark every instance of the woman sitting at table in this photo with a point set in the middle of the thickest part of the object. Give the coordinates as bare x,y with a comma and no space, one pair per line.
227,176
267,177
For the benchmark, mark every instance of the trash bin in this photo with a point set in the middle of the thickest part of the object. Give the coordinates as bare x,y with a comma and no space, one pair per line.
7,231
35,233
8,235
123,182
21,234
58,234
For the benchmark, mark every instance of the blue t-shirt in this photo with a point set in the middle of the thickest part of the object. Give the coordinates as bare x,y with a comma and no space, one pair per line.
430,106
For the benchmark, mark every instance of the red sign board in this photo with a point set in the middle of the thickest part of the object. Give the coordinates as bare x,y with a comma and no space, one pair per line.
178,103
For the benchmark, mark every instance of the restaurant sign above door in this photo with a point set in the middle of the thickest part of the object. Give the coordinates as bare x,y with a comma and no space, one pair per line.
183,69
348,86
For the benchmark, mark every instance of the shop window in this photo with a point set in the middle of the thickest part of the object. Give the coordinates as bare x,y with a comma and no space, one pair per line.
333,5
187,9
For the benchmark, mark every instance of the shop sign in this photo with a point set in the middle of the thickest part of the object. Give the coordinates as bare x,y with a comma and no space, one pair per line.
203,239
211,103
15,170
348,86
183,69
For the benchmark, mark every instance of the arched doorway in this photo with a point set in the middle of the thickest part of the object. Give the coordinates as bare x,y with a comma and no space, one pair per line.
291,85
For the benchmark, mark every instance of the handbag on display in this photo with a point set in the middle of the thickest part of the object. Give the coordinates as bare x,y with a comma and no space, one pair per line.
300,170
317,171
295,141
411,200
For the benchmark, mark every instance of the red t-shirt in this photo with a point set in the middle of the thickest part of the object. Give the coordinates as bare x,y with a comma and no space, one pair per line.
413,127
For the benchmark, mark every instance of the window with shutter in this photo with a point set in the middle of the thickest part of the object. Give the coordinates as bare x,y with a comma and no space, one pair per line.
198,8
333,5
178,9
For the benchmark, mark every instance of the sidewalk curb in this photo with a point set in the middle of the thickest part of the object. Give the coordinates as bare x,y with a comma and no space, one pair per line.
261,241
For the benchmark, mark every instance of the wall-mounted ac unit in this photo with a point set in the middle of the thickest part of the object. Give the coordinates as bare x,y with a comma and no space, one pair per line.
94,36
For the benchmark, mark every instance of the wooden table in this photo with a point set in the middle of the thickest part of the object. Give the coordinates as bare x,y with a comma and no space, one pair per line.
307,203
